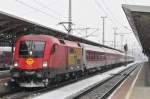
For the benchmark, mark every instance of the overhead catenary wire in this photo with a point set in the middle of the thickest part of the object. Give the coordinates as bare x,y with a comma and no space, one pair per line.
115,17
45,13
109,13
36,9
48,8
50,15
103,9
57,13
129,1
86,34
39,10
109,10
44,6
53,2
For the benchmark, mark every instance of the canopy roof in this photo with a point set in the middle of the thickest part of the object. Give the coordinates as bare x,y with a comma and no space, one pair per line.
12,27
139,20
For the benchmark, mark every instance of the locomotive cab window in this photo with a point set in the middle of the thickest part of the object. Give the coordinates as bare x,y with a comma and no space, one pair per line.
34,49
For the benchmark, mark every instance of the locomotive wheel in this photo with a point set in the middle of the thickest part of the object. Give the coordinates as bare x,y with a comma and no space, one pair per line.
11,85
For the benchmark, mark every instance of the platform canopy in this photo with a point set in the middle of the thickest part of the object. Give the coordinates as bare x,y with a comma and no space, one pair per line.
139,20
12,27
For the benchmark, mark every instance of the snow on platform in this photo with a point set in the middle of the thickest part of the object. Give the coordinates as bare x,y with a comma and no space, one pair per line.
72,90
136,85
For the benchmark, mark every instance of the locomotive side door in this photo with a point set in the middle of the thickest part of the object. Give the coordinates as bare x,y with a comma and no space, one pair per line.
58,57
74,58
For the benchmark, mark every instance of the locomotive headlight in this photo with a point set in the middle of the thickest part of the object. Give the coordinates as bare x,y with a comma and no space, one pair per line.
15,64
45,64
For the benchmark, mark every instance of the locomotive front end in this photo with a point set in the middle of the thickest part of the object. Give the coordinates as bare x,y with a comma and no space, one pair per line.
30,63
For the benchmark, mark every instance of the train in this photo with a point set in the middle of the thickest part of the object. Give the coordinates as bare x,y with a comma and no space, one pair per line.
40,60
5,58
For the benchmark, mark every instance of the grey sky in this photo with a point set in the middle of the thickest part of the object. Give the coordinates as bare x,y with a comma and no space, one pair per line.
84,13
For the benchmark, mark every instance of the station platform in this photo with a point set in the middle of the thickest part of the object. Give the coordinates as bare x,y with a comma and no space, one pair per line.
72,90
136,86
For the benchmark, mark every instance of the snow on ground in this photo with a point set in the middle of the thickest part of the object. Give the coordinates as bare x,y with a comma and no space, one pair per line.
76,88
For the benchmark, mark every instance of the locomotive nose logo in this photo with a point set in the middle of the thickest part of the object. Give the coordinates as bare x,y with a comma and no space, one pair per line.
29,61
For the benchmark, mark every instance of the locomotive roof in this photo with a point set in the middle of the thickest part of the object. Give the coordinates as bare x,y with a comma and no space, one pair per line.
14,27
48,37
35,37
101,49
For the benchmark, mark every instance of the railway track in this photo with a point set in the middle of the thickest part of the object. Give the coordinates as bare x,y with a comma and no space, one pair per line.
21,93
105,88
4,73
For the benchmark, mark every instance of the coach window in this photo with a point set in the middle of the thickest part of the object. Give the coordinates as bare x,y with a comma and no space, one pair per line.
97,56
94,56
90,56
87,55
71,50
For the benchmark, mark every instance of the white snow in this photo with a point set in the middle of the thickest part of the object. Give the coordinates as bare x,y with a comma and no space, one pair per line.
78,87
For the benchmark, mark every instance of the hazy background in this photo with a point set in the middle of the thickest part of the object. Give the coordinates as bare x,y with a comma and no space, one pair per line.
85,14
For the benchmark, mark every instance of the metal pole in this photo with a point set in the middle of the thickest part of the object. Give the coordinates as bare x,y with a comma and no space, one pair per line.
103,39
122,36
12,48
86,31
68,27
115,29
132,50
70,17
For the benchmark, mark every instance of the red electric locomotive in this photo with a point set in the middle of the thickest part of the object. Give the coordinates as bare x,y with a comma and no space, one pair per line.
40,59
